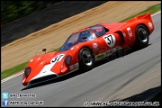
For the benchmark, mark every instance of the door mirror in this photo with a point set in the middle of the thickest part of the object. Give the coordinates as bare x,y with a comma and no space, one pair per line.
44,50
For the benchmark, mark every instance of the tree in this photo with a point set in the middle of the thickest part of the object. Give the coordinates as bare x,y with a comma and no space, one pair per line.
13,10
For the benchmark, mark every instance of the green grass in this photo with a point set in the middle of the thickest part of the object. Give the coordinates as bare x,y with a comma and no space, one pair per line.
20,67
152,10
55,49
13,70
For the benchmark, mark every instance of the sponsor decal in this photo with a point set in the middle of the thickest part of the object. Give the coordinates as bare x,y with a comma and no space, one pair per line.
129,31
100,56
150,25
124,34
74,67
95,46
109,52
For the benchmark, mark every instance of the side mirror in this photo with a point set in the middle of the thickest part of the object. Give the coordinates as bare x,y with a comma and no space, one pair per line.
44,50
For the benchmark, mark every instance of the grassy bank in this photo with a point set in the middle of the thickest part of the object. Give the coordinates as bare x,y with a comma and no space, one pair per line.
20,67
152,10
13,70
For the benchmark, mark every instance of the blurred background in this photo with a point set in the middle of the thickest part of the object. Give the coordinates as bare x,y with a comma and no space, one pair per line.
21,18
11,10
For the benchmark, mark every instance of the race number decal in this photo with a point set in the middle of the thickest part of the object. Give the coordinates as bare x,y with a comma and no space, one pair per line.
110,40
57,58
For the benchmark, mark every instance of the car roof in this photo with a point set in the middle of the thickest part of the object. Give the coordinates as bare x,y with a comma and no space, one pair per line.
87,28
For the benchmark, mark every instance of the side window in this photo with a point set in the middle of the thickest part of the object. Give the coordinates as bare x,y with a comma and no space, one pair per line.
86,36
99,30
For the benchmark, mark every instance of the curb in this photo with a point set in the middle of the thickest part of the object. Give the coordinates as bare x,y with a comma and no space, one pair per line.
12,76
156,13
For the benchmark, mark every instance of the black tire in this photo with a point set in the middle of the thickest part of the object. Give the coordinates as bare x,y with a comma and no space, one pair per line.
86,59
142,37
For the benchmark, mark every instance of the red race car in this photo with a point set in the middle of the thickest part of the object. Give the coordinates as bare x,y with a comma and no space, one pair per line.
86,46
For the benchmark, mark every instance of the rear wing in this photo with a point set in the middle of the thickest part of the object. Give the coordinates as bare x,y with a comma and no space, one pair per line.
146,16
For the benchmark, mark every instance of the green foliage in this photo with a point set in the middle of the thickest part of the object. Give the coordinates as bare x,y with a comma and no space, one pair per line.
13,70
151,10
13,10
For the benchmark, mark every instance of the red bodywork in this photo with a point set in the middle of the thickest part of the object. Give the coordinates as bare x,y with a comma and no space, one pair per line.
121,35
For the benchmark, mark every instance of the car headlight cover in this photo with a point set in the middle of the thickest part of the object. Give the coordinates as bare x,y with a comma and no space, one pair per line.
27,71
68,60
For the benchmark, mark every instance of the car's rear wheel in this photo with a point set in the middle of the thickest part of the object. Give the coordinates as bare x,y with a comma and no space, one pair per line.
86,59
142,37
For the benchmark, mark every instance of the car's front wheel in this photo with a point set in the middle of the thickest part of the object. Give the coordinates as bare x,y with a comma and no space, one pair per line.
86,59
142,37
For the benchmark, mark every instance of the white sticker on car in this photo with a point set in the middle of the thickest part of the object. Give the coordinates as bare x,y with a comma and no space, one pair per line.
57,58
95,46
110,40
150,25
124,34
129,31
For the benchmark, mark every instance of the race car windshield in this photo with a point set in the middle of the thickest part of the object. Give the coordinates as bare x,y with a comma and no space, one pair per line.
77,38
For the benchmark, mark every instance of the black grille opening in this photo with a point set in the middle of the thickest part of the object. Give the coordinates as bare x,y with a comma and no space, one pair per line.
42,79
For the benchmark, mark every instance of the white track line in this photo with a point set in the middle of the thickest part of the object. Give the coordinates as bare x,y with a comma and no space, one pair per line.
156,13
17,74
13,76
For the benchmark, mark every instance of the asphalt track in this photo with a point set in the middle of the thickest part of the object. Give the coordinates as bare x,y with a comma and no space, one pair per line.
124,76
